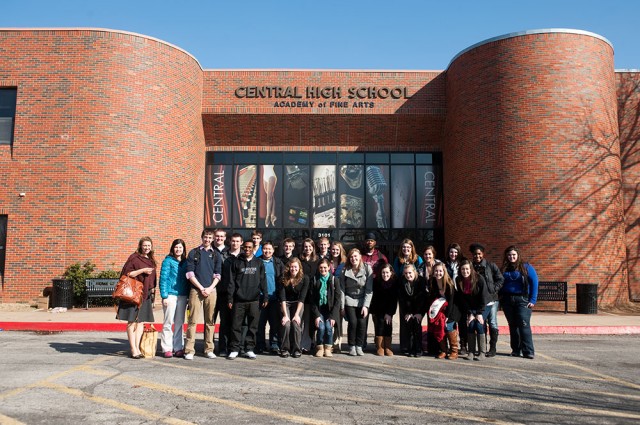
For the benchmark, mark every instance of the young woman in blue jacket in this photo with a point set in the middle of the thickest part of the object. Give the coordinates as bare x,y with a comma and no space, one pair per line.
174,290
518,296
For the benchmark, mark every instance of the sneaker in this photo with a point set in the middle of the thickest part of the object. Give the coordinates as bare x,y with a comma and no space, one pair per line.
168,354
359,351
528,356
210,355
179,353
188,356
296,354
232,355
352,350
284,354
250,355
275,351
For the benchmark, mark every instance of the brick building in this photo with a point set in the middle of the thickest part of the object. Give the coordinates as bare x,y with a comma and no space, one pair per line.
528,138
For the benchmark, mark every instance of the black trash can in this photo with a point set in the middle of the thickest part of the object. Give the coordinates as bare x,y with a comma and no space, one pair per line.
62,293
587,298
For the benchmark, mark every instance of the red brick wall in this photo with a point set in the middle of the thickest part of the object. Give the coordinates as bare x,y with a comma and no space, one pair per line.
531,157
629,121
108,147
392,124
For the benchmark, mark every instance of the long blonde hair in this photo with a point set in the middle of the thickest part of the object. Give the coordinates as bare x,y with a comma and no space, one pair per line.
287,279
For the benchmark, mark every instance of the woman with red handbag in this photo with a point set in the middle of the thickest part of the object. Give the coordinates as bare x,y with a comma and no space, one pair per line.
141,265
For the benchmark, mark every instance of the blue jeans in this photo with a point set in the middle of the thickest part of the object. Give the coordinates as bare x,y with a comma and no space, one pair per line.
490,315
324,335
519,318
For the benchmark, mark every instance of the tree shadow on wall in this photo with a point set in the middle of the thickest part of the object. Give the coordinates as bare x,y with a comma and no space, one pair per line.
629,121
583,206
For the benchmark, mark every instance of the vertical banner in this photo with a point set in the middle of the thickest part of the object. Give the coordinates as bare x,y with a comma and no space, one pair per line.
269,209
402,193
378,198
296,196
245,181
351,187
428,197
217,196
324,196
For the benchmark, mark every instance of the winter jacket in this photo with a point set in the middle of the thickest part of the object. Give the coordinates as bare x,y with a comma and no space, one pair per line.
173,279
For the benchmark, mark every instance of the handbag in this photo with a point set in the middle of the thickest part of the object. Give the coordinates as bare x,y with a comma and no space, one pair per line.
149,342
128,290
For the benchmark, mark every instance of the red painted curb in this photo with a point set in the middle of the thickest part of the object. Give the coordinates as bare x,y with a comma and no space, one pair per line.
76,327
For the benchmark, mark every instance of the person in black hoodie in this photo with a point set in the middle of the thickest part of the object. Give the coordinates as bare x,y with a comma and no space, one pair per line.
248,281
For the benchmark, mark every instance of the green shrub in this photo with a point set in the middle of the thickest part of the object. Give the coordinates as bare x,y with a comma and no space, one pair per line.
77,273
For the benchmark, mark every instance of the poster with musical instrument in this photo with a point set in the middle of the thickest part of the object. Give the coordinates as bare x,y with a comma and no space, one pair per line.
296,196
378,197
245,179
351,183
324,196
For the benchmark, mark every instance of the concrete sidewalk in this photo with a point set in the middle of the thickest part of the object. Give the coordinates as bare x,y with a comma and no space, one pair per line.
103,319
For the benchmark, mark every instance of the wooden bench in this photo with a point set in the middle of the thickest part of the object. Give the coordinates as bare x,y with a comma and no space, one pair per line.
553,291
99,288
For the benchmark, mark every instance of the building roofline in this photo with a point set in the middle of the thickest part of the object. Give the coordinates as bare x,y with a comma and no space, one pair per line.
105,30
530,32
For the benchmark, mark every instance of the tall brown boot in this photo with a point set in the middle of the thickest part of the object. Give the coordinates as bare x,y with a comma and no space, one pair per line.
443,348
379,347
386,340
453,344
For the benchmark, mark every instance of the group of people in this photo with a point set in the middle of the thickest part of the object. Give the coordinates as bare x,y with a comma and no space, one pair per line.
304,298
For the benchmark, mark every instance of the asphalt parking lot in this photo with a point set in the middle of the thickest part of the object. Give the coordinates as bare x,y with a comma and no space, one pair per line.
87,378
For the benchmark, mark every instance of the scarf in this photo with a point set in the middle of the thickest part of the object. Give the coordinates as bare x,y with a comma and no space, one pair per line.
323,289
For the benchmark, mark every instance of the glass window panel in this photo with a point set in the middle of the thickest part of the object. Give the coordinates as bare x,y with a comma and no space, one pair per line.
350,158
218,195
378,197
402,158
301,158
270,196
246,157
402,196
245,194
377,158
324,196
351,184
424,158
296,196
323,158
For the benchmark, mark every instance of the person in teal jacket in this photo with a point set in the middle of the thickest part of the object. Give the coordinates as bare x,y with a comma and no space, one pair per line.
518,296
174,290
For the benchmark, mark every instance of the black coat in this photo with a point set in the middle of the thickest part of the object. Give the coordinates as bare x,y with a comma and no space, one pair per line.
385,299
334,294
417,301
474,301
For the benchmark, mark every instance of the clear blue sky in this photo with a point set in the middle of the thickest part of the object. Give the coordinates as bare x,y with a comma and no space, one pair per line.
329,34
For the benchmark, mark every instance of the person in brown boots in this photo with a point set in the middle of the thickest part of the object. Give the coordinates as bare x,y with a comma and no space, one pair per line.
441,286
325,307
383,306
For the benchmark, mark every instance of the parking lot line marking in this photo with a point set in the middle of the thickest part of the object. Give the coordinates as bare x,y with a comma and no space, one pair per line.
6,420
115,403
19,390
600,375
234,404
401,385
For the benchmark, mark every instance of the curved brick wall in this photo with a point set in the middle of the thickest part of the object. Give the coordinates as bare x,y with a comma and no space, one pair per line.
532,156
108,147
